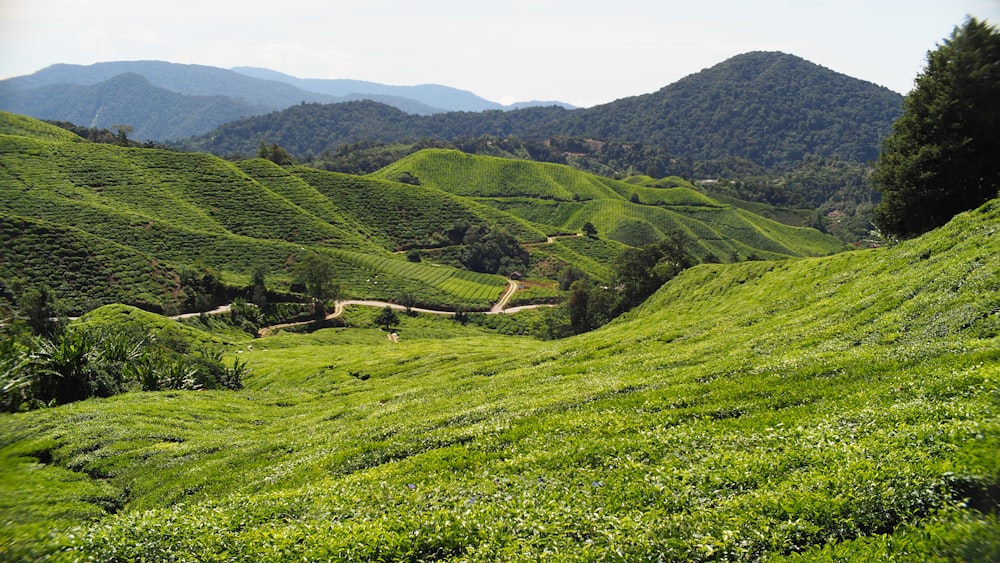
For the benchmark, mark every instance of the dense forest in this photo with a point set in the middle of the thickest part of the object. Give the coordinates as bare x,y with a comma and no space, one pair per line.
771,109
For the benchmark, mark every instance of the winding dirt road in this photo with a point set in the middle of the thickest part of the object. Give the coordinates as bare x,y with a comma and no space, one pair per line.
338,308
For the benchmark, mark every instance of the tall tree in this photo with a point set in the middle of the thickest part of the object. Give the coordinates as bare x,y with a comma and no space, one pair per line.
386,318
315,274
942,156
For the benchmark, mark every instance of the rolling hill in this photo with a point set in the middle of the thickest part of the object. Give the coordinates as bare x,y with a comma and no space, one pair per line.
564,199
828,408
182,211
175,211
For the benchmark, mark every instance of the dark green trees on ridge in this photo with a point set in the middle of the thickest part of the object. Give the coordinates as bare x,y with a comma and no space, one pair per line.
943,156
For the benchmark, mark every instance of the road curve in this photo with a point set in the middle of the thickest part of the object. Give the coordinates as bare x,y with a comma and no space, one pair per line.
338,308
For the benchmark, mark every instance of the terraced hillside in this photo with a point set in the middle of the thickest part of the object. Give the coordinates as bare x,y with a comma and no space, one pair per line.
173,213
831,408
565,199
128,220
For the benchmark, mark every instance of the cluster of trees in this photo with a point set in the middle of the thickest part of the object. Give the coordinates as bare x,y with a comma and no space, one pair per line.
942,156
638,273
769,108
490,251
275,154
45,361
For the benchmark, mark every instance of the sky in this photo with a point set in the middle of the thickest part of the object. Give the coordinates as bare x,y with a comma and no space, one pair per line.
583,52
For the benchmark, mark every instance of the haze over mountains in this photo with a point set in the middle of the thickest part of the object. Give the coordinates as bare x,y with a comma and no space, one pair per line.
152,96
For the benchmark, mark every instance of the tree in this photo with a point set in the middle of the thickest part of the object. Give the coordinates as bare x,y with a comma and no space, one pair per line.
941,157
40,311
258,289
641,271
275,154
408,300
486,250
121,134
589,229
386,318
568,275
315,274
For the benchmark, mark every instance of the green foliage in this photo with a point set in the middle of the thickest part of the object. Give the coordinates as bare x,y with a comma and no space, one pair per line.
386,318
315,274
640,272
564,199
275,154
841,407
38,307
101,359
568,275
247,316
769,108
491,251
941,158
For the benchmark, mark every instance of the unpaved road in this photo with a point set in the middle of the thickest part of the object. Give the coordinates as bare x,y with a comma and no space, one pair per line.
338,308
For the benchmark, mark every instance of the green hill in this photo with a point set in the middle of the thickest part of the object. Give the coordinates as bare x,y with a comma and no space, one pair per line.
153,216
147,214
70,260
826,408
564,199
14,124
767,107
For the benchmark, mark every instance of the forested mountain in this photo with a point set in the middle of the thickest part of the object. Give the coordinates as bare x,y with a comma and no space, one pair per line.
771,109
129,99
65,92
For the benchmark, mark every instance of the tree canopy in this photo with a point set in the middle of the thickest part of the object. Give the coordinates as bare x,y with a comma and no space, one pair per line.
941,158
315,274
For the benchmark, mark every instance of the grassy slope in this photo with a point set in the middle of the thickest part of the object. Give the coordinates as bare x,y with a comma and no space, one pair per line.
154,212
176,210
842,406
69,260
14,124
565,199
411,216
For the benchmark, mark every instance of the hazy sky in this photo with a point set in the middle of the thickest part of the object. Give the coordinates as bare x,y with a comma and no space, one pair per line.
584,52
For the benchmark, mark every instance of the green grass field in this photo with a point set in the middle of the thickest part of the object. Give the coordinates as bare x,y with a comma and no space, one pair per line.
840,408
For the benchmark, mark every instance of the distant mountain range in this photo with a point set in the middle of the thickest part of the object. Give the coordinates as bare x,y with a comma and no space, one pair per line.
769,108
765,107
164,101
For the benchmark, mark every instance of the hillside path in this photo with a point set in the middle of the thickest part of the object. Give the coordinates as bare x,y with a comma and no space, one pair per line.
338,308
